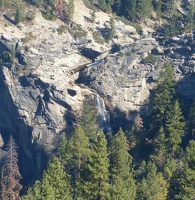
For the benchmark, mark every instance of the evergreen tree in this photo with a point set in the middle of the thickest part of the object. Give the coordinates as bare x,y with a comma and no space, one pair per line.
190,171
144,9
76,152
159,148
162,100
191,119
18,14
153,186
158,7
130,8
89,119
71,10
110,30
117,7
38,3
10,175
122,182
93,16
103,5
177,185
95,184
190,17
54,184
174,128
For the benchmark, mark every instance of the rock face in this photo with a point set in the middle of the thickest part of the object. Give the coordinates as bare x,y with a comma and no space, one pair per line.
39,99
126,77
121,77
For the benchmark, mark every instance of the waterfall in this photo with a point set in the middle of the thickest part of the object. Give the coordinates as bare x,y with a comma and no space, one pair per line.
103,115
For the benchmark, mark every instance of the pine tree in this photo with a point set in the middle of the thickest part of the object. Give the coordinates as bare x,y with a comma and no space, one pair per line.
95,183
144,9
77,150
18,14
103,5
122,182
163,96
10,176
117,7
89,120
130,8
71,10
177,185
191,119
190,17
174,128
53,185
159,148
190,171
153,186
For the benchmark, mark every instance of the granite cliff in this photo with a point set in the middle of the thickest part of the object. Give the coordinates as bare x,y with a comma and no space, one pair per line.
46,75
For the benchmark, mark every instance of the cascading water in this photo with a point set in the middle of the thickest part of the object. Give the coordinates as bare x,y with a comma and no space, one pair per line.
103,115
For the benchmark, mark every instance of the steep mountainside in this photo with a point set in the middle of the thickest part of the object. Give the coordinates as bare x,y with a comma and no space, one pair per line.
49,67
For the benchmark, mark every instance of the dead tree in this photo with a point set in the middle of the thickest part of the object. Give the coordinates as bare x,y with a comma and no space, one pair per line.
10,175
138,122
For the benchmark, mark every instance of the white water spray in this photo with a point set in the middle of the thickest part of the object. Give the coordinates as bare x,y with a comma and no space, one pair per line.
103,115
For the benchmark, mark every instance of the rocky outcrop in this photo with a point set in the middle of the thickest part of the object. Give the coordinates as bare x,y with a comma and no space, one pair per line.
121,77
126,77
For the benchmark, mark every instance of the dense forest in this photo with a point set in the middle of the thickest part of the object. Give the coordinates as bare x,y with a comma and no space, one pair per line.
153,160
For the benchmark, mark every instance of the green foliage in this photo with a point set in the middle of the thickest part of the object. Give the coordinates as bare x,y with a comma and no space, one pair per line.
97,36
61,29
191,119
150,59
18,15
48,15
80,32
95,183
153,185
174,128
70,10
89,119
54,184
103,5
163,96
75,152
122,182
38,3
1,3
30,15
144,9
109,30
93,16
6,56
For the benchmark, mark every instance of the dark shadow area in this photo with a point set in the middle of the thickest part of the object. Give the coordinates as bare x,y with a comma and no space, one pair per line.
115,48
84,78
71,92
88,19
62,103
3,47
70,118
24,81
89,53
20,58
9,19
39,83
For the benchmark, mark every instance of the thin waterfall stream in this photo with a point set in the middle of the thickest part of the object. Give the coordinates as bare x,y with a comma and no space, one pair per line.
103,115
